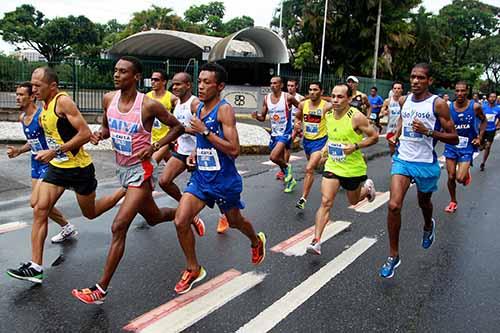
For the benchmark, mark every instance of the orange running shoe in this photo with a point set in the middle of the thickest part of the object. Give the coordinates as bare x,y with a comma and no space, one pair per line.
92,295
259,252
223,225
188,279
280,175
451,208
199,226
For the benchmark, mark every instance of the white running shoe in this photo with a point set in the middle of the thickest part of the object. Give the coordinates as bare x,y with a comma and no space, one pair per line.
67,232
372,193
314,248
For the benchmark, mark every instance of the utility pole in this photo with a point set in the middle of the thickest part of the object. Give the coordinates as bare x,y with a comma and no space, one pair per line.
281,31
377,38
323,42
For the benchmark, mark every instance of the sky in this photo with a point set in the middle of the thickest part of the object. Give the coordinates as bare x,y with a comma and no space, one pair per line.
102,11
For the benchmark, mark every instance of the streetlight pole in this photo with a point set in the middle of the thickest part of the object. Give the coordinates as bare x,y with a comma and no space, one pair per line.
323,42
377,38
281,30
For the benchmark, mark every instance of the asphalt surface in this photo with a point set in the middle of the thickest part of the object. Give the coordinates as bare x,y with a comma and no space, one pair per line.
452,287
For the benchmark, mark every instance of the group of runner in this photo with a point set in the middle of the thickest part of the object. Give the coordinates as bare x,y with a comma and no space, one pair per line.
143,129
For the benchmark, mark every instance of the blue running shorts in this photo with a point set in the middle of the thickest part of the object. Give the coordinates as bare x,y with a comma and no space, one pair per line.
457,155
286,139
425,175
311,146
225,201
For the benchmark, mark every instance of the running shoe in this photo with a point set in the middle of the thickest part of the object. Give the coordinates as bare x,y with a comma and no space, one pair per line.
67,232
259,252
288,173
314,247
223,224
429,236
290,186
451,208
372,193
27,273
199,226
92,295
301,204
188,279
280,175
481,167
468,179
388,268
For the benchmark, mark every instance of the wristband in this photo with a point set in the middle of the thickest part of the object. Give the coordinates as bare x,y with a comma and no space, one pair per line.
356,146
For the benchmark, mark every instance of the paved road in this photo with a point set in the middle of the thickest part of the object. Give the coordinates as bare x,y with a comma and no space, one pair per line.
452,287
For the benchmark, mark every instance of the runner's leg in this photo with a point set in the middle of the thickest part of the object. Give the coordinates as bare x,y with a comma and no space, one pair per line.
399,187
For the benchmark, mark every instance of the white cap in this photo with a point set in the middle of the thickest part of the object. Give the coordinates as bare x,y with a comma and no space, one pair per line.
352,77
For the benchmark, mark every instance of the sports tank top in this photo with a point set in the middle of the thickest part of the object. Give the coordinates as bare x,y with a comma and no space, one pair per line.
413,146
491,113
465,127
186,143
159,129
299,98
34,133
394,113
127,131
280,115
216,171
341,132
314,120
58,131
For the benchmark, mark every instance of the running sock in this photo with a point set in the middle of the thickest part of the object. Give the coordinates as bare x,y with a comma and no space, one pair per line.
36,266
98,287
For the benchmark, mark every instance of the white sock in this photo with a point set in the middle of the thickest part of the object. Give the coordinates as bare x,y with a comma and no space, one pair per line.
36,266
100,288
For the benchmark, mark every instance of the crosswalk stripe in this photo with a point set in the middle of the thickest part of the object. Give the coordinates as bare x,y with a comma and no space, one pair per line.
292,158
296,245
279,310
365,206
12,226
187,309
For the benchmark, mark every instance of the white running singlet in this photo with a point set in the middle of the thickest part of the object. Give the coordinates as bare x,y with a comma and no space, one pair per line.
394,113
278,114
186,143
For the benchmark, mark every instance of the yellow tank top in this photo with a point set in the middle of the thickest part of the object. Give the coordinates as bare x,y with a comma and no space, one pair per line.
58,131
340,132
314,121
159,129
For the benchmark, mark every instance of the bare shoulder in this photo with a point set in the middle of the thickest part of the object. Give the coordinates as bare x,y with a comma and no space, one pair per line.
226,112
108,97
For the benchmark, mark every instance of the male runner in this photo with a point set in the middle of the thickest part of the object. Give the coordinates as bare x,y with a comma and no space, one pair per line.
128,120
310,118
292,85
345,166
459,157
168,100
278,104
425,119
359,100
492,112
446,98
392,109
376,103
215,179
70,167
35,137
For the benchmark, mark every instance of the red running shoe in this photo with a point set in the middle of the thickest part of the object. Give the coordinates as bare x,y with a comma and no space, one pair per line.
92,295
223,224
259,252
199,226
280,175
188,279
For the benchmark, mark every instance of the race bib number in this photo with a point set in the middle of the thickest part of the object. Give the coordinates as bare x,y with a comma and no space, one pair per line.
207,159
35,145
490,117
336,152
312,129
52,144
410,134
156,123
373,116
122,143
463,141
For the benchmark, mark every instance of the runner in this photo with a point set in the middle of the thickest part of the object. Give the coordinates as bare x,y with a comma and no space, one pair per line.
215,179
459,157
492,113
292,85
128,120
311,117
168,100
392,109
35,137
359,100
376,103
70,167
345,166
278,104
425,119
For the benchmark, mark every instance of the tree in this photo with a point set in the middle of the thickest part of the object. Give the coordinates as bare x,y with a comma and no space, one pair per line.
55,38
238,23
486,51
304,56
153,18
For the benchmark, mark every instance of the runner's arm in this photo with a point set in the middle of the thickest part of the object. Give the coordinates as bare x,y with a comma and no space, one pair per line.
448,133
368,106
262,115
292,101
103,132
194,107
299,115
478,110
14,152
385,107
69,110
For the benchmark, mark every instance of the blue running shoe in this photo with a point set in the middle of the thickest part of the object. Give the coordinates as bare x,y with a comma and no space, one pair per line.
429,236
387,269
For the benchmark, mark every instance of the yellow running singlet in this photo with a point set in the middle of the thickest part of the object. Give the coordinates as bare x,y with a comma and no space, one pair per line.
159,129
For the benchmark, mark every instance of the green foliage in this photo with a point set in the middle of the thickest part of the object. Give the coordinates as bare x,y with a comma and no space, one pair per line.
238,23
304,56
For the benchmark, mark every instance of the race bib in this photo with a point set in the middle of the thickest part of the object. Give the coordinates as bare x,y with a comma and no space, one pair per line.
52,144
463,141
156,123
312,128
490,117
336,152
410,134
207,159
122,143
35,144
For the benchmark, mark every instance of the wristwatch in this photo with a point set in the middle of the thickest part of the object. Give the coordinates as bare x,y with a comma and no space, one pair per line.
206,132
156,146
430,132
356,146
58,151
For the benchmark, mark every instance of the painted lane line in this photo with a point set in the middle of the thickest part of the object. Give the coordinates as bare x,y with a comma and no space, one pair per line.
279,310
296,245
292,158
187,309
242,172
12,226
367,207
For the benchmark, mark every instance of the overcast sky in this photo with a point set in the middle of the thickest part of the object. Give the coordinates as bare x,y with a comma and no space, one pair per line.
104,10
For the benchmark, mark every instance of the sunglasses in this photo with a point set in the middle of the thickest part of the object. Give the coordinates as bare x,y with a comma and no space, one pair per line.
155,79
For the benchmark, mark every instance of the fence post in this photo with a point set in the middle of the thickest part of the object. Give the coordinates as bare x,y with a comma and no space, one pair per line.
75,80
195,77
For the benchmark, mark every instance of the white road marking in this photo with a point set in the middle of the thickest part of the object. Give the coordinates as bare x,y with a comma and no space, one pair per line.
242,172
368,207
12,226
279,310
292,158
